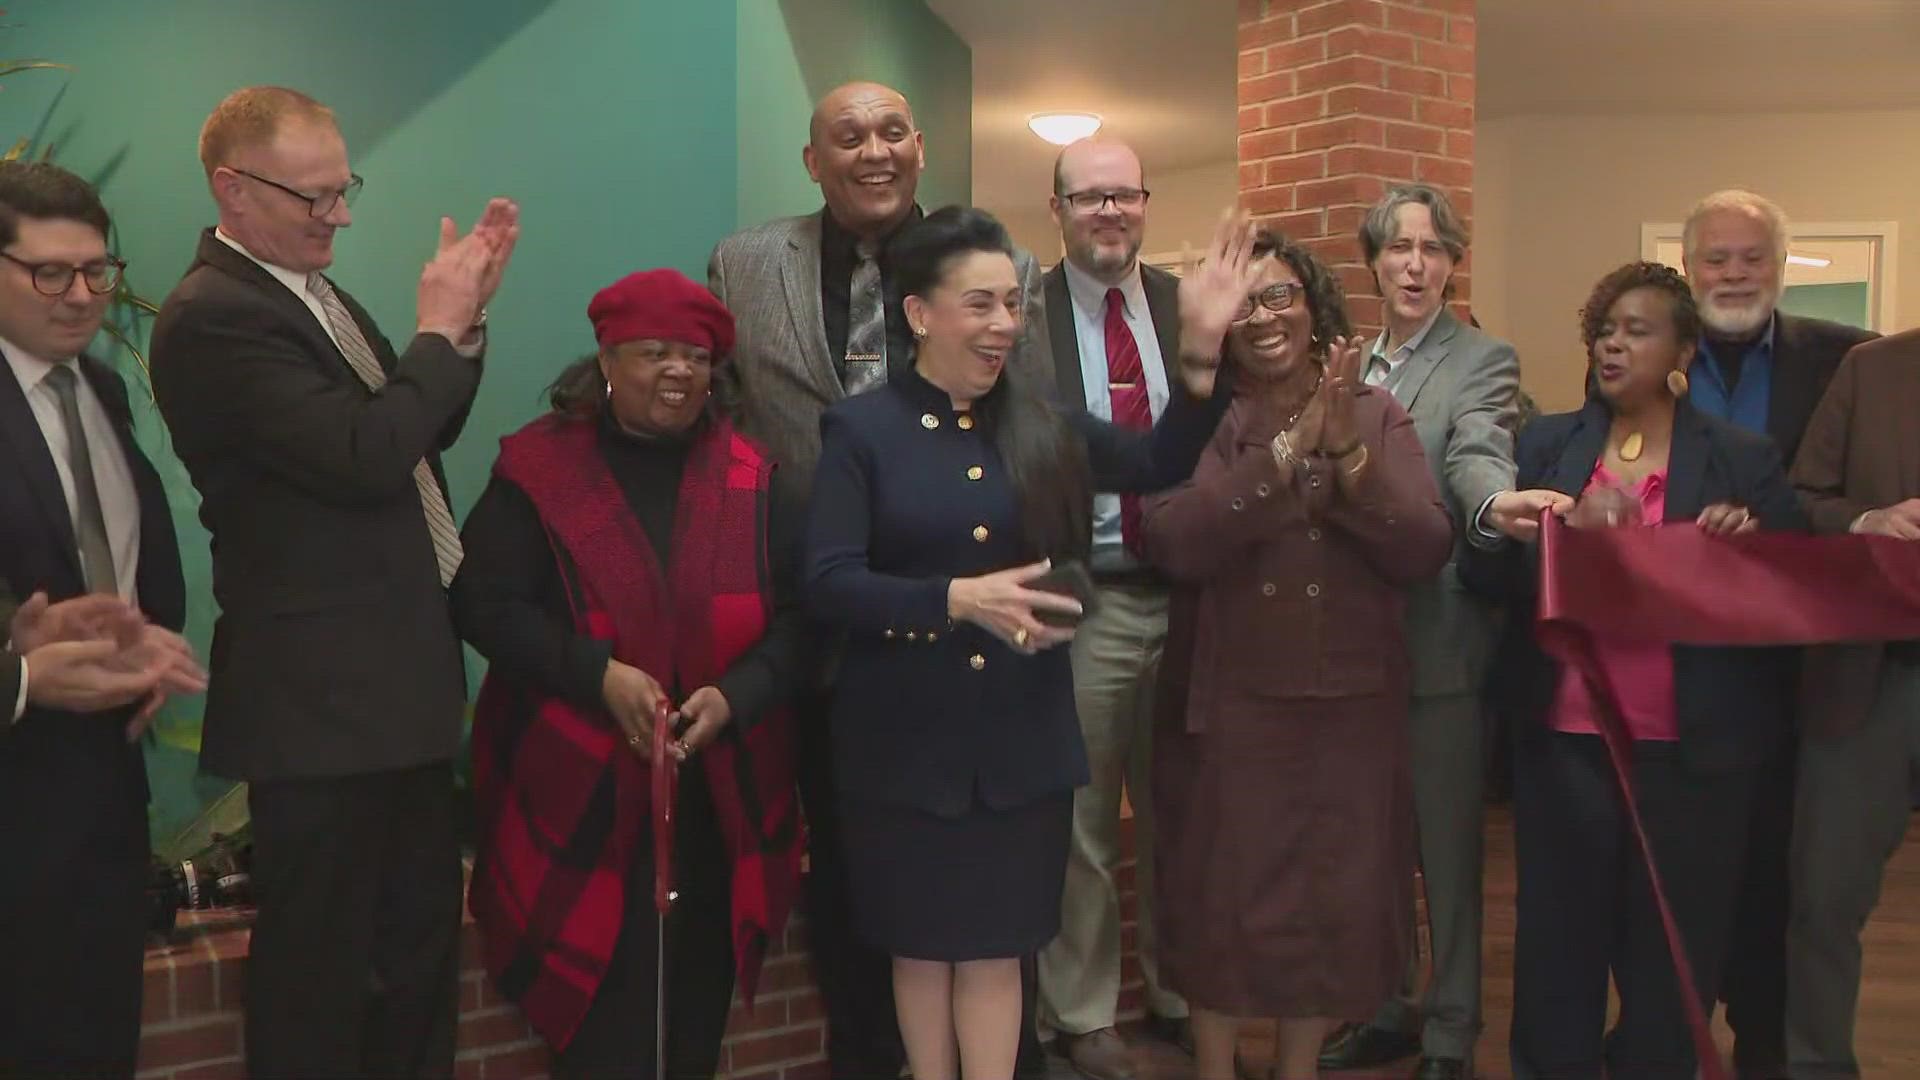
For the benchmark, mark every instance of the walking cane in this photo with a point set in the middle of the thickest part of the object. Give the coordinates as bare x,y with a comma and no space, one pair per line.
666,785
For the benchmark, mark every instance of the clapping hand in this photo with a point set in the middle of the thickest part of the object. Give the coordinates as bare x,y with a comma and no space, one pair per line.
465,270
1211,294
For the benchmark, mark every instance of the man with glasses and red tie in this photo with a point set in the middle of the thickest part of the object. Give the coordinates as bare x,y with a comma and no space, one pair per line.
87,542
1113,325
337,689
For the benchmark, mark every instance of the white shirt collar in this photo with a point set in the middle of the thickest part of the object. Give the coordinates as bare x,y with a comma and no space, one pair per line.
1411,345
1090,294
30,369
292,279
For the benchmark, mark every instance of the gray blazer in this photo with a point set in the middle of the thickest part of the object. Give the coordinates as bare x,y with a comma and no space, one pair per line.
781,378
1459,387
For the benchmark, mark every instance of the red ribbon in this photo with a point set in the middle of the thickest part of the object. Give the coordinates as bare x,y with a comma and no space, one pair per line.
1677,585
666,788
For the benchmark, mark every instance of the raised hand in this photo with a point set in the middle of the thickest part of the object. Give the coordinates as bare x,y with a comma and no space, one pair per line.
1211,294
460,278
1002,604
1339,430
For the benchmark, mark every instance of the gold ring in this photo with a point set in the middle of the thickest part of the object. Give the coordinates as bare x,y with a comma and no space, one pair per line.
633,740
1021,637
685,750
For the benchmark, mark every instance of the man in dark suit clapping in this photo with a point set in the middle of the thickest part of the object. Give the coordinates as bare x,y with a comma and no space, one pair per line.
337,689
83,523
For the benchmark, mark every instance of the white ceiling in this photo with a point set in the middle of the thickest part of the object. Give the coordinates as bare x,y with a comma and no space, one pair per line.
1626,56
1161,73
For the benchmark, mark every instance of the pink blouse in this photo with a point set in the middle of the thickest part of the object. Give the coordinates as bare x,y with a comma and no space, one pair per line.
1642,674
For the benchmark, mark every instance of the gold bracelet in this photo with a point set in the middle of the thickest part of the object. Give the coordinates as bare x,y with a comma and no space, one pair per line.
1353,470
1283,454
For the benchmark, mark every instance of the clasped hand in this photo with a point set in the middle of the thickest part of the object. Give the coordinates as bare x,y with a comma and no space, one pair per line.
634,698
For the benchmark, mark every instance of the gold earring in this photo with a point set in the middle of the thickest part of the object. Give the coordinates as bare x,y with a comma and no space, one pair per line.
920,331
1677,383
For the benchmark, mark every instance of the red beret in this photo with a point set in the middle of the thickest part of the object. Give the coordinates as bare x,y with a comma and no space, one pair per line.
664,305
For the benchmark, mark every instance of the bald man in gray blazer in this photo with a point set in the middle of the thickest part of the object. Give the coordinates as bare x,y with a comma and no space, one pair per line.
813,327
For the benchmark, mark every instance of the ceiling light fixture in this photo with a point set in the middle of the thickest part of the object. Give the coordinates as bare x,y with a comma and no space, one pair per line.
1808,260
1061,128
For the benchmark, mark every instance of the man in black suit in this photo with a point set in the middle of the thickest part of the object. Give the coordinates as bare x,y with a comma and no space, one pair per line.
337,688
1764,370
1113,324
81,512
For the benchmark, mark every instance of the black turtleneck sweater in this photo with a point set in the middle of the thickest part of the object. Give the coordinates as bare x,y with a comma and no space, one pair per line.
509,604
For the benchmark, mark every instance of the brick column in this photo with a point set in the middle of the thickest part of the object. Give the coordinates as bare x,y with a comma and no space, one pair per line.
1341,99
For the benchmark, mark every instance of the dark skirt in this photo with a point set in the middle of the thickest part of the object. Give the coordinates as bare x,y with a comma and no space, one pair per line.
1283,838
985,885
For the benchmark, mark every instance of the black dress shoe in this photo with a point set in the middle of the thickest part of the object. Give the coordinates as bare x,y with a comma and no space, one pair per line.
1363,1046
1439,1068
1177,1031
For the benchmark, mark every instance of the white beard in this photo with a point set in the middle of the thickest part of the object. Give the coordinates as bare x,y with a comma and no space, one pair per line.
1737,322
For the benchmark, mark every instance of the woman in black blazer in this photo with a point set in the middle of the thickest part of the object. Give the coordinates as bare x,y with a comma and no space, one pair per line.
937,503
1702,718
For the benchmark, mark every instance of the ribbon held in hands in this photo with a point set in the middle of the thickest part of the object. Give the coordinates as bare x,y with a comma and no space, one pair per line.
666,789
1676,585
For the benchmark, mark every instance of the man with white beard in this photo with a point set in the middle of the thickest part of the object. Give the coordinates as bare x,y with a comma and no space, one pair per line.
1764,370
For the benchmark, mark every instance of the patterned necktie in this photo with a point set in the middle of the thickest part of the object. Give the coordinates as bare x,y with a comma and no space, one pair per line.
866,361
433,501
89,520
1127,393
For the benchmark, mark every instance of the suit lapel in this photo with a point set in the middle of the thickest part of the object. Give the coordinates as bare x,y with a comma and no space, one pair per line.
1687,460
1790,397
800,277
217,254
1163,306
34,459
1420,366
1065,339
1582,451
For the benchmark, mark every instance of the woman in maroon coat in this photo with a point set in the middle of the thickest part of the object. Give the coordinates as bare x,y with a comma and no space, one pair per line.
1280,767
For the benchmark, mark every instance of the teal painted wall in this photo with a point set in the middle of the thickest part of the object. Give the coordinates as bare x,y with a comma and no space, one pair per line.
1841,302
791,52
609,120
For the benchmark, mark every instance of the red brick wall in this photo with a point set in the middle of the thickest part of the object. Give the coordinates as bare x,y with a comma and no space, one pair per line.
190,1026
1341,99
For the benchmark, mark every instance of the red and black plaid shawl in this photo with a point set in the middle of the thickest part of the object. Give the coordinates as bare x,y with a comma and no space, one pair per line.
562,801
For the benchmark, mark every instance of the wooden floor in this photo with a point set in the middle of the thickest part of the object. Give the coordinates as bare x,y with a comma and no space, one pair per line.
1887,1040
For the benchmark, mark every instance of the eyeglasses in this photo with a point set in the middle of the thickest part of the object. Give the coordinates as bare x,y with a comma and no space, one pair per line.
1092,202
1275,298
320,205
55,278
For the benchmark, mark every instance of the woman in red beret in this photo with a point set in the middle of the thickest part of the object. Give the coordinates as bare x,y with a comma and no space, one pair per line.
632,548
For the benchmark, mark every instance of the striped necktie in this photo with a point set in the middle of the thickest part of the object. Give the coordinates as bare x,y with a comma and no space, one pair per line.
1127,394
433,501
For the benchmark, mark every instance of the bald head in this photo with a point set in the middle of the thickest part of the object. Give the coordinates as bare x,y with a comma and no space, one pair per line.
1103,240
866,154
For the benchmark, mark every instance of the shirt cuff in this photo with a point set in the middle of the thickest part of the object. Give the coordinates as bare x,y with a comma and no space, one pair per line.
1854,525
20,700
1478,534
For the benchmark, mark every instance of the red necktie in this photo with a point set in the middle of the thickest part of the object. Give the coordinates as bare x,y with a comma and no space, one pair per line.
1127,392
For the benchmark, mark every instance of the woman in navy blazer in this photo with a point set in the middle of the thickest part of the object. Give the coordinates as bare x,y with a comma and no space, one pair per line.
1703,718
938,502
